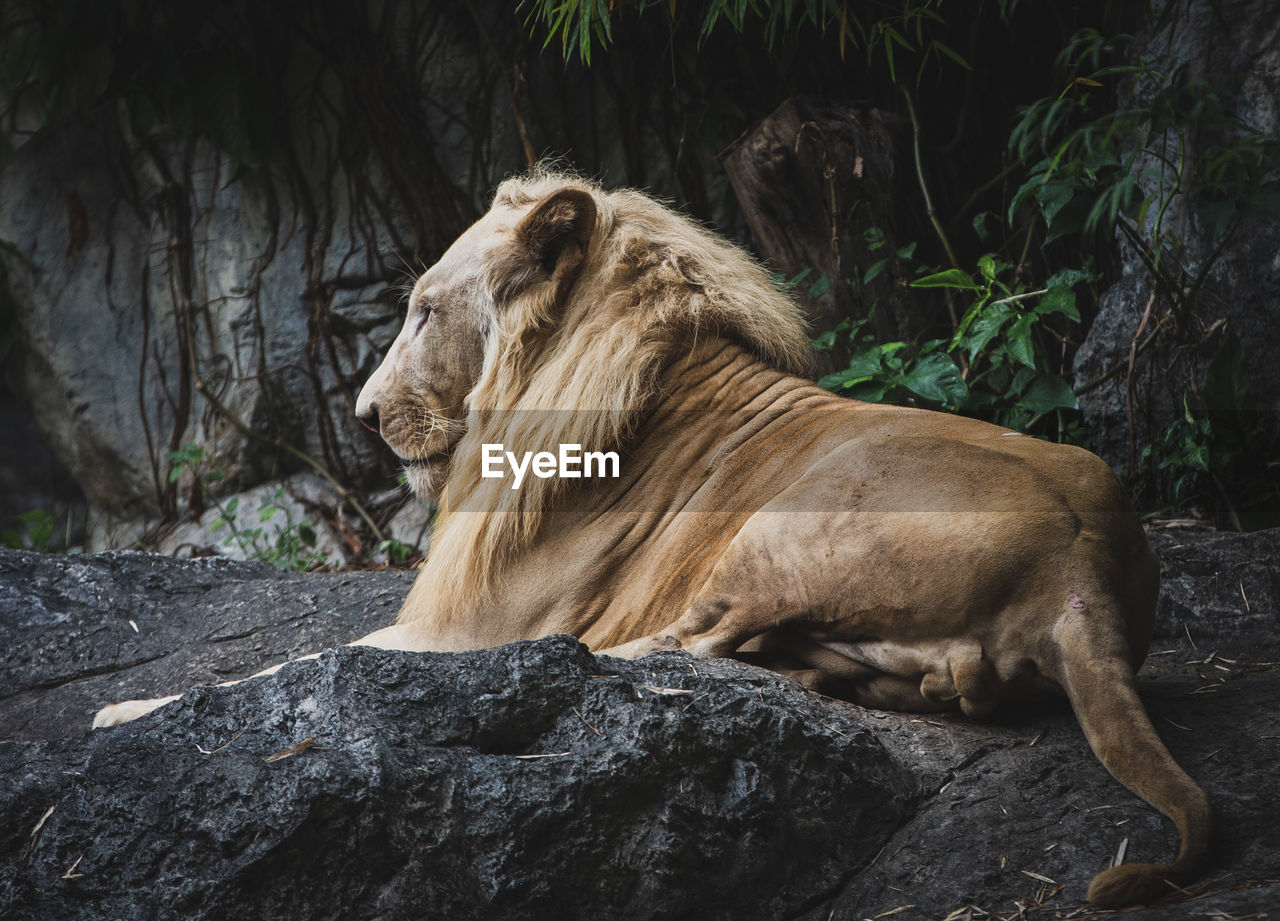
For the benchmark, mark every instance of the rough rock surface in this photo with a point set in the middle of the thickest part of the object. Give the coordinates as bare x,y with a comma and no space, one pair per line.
78,630
537,780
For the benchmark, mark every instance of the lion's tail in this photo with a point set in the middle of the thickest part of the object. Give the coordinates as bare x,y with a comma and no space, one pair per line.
1093,666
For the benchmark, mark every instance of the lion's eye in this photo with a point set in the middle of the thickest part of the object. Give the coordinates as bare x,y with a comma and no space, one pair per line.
424,314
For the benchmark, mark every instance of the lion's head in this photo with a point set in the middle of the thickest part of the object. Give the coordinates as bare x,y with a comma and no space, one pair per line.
563,296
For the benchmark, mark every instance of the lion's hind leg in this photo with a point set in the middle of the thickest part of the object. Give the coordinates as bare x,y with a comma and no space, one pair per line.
961,678
719,627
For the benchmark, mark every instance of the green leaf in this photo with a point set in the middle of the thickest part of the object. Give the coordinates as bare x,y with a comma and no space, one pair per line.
1196,456
866,364
1053,196
1067,278
1021,379
1058,300
980,225
789,285
863,366
888,54
1047,393
873,271
966,320
838,380
987,266
869,391
1019,342
951,53
985,328
1025,191
951,278
936,377
819,287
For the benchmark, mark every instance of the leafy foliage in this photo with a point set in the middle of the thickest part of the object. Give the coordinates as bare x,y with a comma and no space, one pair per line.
1214,453
996,366
1124,168
908,28
396,551
1176,147
39,531
287,544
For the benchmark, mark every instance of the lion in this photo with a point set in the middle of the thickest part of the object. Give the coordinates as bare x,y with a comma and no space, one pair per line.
897,557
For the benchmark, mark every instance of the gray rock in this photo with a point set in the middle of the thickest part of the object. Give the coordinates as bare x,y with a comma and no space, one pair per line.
250,327
138,269
533,781
404,787
1105,405
1220,589
82,630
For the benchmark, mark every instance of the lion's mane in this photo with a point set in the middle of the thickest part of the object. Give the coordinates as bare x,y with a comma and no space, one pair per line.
584,371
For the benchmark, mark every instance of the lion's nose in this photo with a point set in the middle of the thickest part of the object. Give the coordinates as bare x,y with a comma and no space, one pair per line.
368,416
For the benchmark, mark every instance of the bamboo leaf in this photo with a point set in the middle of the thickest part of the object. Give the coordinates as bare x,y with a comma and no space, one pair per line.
951,278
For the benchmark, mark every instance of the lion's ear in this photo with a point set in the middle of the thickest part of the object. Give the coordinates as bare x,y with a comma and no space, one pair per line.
555,235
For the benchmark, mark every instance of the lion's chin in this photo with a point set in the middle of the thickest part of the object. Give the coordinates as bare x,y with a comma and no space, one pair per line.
426,477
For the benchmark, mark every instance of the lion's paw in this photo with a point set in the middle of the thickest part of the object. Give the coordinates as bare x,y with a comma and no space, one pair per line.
643,646
126,710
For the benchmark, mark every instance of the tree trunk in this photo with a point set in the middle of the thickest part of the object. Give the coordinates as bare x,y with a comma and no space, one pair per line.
822,187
